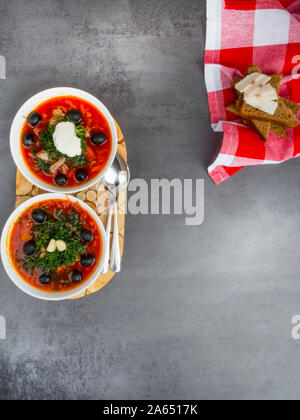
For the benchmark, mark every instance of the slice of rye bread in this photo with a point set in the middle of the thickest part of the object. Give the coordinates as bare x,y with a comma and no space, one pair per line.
275,81
233,109
262,127
253,69
279,130
239,95
283,115
292,105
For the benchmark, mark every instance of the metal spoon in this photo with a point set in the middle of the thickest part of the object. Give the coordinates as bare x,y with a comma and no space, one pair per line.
115,181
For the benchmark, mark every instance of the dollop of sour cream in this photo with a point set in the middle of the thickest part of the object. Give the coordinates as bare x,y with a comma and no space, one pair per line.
65,139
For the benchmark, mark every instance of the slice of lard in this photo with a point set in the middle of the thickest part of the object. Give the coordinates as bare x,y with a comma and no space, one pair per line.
65,139
266,93
251,83
268,106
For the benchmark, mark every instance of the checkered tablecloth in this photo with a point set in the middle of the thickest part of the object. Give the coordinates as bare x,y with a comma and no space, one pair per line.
240,33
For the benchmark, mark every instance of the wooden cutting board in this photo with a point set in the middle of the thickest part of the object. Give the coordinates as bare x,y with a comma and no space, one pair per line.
95,197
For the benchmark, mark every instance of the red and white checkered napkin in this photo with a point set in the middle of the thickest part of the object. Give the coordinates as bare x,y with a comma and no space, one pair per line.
241,33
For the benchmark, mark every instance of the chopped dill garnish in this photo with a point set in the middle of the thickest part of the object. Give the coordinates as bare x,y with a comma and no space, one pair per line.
61,225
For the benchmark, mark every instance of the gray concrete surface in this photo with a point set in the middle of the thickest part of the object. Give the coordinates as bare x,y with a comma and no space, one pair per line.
197,312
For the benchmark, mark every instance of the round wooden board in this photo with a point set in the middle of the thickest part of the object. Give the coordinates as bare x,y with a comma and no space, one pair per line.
94,197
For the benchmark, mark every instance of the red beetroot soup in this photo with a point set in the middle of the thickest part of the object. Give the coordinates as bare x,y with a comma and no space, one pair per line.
53,161
55,245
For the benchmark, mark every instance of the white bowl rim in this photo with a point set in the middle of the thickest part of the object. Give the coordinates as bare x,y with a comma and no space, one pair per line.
17,279
29,106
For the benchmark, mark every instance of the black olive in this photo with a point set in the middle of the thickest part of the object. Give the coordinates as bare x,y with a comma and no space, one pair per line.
98,138
29,247
87,260
34,119
61,180
74,116
81,175
28,139
44,279
38,215
86,235
76,276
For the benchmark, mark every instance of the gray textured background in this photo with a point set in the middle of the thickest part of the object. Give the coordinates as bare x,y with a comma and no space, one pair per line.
197,312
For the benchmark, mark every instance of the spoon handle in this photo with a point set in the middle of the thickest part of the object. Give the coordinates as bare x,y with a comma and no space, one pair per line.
106,255
115,259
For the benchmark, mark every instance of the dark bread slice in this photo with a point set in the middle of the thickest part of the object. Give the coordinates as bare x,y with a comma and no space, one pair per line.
279,130
253,69
262,127
275,81
283,115
292,105
233,109
238,94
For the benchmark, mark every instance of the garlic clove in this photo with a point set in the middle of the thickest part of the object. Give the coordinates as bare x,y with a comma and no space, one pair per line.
61,245
51,246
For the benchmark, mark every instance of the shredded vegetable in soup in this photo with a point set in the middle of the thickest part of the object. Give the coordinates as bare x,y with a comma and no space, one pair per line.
66,141
55,245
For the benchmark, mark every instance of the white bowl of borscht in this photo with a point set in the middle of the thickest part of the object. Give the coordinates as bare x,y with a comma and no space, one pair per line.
53,246
63,140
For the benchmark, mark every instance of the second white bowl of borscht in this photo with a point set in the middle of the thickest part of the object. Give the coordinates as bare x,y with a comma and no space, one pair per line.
53,246
63,140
